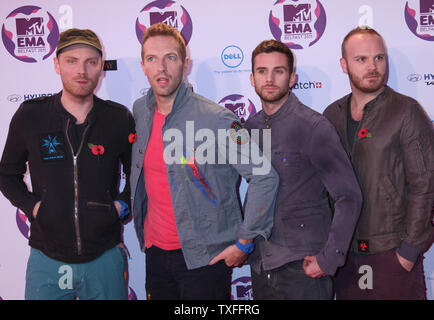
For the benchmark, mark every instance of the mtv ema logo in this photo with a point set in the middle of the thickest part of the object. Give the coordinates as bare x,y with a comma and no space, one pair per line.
241,289
298,24
30,34
168,12
419,16
240,105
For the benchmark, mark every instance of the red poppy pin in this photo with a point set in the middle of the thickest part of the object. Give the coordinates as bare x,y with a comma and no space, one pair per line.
132,137
364,133
96,149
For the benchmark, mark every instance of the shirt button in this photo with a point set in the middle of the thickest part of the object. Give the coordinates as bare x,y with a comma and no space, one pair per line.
302,225
140,151
138,166
268,126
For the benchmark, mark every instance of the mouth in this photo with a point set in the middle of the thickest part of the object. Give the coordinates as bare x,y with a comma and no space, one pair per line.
82,81
163,81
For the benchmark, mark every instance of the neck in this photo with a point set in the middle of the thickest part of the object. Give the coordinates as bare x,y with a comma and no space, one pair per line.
359,99
79,107
272,107
164,106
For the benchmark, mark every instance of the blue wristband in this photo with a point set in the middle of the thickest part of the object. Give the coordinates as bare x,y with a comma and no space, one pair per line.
125,210
246,248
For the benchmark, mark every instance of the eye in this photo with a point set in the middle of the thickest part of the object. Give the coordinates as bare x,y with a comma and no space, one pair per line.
361,59
150,59
379,58
171,57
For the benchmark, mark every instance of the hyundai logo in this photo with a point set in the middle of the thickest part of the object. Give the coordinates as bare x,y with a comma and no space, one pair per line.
14,98
414,77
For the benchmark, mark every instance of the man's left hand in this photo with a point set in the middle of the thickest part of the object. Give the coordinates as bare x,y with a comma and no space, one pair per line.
406,264
311,267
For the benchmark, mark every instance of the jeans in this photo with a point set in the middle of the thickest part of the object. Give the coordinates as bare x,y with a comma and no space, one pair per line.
379,276
167,278
289,282
99,279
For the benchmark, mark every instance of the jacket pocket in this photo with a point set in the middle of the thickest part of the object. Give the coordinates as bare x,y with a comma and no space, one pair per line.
305,233
394,206
42,207
287,165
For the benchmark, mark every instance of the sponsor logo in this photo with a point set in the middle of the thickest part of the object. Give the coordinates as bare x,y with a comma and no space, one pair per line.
30,34
168,12
428,78
419,16
14,98
241,289
298,24
232,56
307,85
110,65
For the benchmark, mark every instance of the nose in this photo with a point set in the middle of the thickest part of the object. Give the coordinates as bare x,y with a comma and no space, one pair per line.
372,64
162,65
81,68
269,77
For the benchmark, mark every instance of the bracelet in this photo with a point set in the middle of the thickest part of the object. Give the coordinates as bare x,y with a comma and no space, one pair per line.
246,248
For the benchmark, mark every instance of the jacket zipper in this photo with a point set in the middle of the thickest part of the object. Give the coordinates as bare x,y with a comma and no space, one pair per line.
74,161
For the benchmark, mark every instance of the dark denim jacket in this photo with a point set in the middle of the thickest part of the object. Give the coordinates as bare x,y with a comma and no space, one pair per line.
312,164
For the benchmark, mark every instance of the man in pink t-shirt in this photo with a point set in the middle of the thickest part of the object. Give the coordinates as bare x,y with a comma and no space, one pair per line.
187,216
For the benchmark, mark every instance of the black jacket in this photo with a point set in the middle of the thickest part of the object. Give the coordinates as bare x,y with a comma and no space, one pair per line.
77,220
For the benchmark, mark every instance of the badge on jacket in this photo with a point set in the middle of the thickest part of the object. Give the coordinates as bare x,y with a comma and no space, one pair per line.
52,146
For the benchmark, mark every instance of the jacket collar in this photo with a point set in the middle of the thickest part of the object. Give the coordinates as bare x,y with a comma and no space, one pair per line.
182,95
343,103
287,107
91,116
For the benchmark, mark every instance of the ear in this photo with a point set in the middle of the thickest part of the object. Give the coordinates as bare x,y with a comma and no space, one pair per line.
252,80
344,65
292,79
186,67
56,65
143,67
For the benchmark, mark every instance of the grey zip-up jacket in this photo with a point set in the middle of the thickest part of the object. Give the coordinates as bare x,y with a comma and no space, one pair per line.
204,196
312,164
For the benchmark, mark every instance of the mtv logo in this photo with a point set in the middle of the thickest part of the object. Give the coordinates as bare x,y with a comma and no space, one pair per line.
244,292
427,6
30,27
239,109
297,13
168,17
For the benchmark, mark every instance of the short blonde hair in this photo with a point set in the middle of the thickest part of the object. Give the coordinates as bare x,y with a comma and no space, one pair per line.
162,29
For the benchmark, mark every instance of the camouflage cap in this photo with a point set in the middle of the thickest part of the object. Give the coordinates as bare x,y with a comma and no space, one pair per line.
78,36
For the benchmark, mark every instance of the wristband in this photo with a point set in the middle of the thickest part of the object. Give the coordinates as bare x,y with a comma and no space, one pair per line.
125,210
246,248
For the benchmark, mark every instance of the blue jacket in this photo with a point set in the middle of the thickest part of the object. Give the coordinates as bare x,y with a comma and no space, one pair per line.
204,196
312,164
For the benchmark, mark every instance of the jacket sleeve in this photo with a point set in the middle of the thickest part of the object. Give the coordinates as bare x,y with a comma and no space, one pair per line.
417,147
128,139
13,166
333,165
263,181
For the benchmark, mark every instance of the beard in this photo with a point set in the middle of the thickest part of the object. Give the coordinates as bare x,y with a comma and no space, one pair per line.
273,96
80,91
368,86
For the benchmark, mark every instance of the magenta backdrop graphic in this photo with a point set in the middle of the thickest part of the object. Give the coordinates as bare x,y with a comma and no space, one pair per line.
31,35
420,20
297,24
158,12
238,104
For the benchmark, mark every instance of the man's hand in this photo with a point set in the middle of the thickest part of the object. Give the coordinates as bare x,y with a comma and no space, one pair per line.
36,209
406,264
311,267
118,207
232,256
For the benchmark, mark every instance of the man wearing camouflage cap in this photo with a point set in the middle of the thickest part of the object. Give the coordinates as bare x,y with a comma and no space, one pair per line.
73,143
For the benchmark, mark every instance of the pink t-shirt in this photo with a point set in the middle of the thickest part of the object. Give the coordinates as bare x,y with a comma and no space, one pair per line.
160,226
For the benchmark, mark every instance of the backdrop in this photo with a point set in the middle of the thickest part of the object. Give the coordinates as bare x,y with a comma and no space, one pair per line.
221,36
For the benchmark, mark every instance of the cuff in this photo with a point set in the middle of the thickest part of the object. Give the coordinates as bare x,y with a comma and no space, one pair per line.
409,251
125,210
